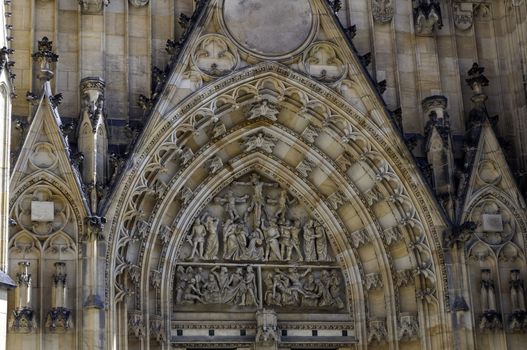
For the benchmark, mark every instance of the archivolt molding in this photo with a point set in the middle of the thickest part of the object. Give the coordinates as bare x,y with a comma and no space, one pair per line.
181,143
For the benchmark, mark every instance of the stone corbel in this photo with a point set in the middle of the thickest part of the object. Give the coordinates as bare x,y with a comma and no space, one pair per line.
138,3
427,17
377,332
93,7
136,324
267,328
382,10
408,327
463,15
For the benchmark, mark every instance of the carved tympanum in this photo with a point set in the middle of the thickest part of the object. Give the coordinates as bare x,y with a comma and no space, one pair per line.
262,242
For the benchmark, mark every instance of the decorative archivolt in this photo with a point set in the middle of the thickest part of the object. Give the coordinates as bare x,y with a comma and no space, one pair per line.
251,118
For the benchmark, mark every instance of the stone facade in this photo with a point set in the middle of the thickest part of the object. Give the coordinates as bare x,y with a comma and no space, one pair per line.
265,174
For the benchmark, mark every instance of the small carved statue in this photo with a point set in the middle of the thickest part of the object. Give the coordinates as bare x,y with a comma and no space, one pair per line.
263,109
260,141
257,201
281,203
309,241
272,236
321,243
196,238
230,201
211,225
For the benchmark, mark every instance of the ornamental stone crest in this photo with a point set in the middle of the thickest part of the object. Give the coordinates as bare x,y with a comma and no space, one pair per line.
382,10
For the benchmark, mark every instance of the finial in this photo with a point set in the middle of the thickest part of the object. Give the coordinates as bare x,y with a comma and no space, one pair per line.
45,57
476,80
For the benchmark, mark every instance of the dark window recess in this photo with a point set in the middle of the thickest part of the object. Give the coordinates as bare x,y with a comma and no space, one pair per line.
314,333
284,332
344,332
211,332
179,332
243,332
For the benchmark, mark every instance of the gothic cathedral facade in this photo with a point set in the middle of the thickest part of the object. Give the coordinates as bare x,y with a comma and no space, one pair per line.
263,174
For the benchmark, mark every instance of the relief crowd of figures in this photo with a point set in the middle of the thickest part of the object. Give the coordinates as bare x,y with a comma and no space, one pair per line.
217,285
239,286
258,235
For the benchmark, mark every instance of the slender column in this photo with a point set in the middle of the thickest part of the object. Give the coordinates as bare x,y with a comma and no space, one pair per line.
93,314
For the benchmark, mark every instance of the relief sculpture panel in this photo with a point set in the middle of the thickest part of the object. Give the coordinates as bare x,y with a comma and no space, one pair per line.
256,245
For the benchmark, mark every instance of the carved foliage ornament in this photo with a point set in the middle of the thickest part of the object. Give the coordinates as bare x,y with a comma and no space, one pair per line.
382,10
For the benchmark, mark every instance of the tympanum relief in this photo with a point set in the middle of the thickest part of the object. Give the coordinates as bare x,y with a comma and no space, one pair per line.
256,245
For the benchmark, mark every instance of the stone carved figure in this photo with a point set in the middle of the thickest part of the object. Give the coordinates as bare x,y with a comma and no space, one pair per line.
272,236
196,238
306,289
309,241
281,205
257,200
229,202
231,248
264,109
238,287
211,224
321,243
260,141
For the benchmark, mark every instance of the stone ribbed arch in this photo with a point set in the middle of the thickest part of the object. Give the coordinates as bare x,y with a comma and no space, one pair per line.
369,141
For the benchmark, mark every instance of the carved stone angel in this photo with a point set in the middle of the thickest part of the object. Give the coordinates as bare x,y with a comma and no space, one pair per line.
263,109
260,141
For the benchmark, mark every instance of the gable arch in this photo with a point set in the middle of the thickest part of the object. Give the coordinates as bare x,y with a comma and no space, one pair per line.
181,146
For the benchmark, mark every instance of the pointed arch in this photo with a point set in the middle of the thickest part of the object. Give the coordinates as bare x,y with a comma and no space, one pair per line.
170,167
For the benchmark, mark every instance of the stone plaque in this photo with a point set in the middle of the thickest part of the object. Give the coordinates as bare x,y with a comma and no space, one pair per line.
492,222
42,211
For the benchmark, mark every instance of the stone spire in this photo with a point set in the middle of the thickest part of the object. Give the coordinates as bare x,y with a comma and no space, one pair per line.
93,138
439,150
